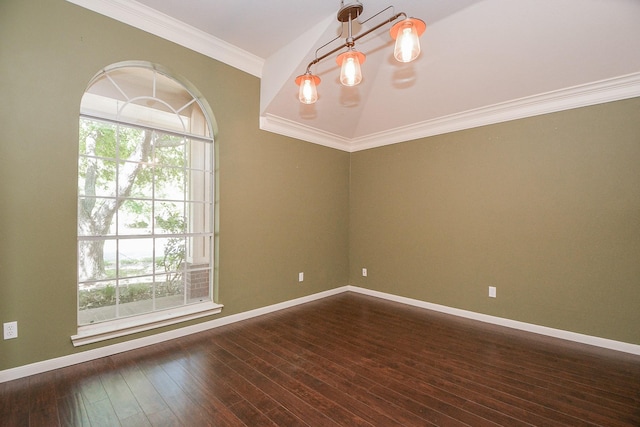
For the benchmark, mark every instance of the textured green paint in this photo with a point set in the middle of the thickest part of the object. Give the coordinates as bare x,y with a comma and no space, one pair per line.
284,203
547,209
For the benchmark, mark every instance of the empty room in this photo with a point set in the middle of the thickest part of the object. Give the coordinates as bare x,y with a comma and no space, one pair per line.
320,213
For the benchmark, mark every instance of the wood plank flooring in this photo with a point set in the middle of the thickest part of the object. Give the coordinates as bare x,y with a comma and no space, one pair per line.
346,360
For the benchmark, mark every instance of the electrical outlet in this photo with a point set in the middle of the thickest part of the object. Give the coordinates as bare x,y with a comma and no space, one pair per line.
492,291
364,272
300,277
10,330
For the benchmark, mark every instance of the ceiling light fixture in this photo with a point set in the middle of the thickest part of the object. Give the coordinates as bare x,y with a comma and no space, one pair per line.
407,48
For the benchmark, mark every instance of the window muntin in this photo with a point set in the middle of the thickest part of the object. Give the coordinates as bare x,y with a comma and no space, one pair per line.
145,197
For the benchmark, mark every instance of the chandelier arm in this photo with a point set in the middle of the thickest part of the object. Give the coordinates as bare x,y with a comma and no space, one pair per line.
315,61
327,44
359,36
393,18
371,17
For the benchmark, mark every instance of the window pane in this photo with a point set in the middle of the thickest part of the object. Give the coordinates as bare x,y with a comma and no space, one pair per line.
134,144
134,217
197,122
169,183
96,259
199,186
96,177
96,302
93,216
169,217
199,213
199,251
97,139
134,81
169,150
135,180
200,155
198,283
169,290
170,255
171,91
135,257
136,296
146,111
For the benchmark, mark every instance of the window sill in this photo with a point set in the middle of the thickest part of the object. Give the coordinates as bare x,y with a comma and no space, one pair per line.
118,328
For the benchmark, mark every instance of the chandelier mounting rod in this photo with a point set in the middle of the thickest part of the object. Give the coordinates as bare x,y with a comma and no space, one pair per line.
354,39
350,11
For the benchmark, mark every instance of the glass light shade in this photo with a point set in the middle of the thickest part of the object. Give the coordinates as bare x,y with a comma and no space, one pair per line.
350,61
406,34
308,93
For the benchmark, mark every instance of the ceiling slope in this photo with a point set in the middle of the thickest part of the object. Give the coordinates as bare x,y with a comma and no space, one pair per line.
482,61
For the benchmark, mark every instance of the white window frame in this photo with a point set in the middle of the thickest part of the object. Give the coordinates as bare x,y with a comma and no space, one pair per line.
121,326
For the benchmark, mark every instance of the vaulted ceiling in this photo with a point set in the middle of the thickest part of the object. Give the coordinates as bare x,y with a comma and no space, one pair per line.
482,61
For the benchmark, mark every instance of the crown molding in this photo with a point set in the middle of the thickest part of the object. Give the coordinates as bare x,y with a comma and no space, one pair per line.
282,126
599,92
150,20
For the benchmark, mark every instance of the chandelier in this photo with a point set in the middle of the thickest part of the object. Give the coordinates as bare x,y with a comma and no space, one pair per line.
407,48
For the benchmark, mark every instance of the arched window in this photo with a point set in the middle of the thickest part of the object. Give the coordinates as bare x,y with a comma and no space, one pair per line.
145,203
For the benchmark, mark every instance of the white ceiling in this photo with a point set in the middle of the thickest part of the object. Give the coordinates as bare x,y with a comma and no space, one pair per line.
482,61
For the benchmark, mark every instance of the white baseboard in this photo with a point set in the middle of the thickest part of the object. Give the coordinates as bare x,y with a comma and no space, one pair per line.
514,324
85,356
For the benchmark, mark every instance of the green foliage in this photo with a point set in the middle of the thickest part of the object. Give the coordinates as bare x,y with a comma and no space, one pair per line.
104,135
174,250
104,145
97,297
138,224
137,207
170,151
106,296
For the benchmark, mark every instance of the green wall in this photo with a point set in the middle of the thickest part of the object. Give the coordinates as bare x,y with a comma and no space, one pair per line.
283,202
547,209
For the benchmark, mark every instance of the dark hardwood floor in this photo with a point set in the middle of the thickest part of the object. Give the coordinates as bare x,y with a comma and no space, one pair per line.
347,360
